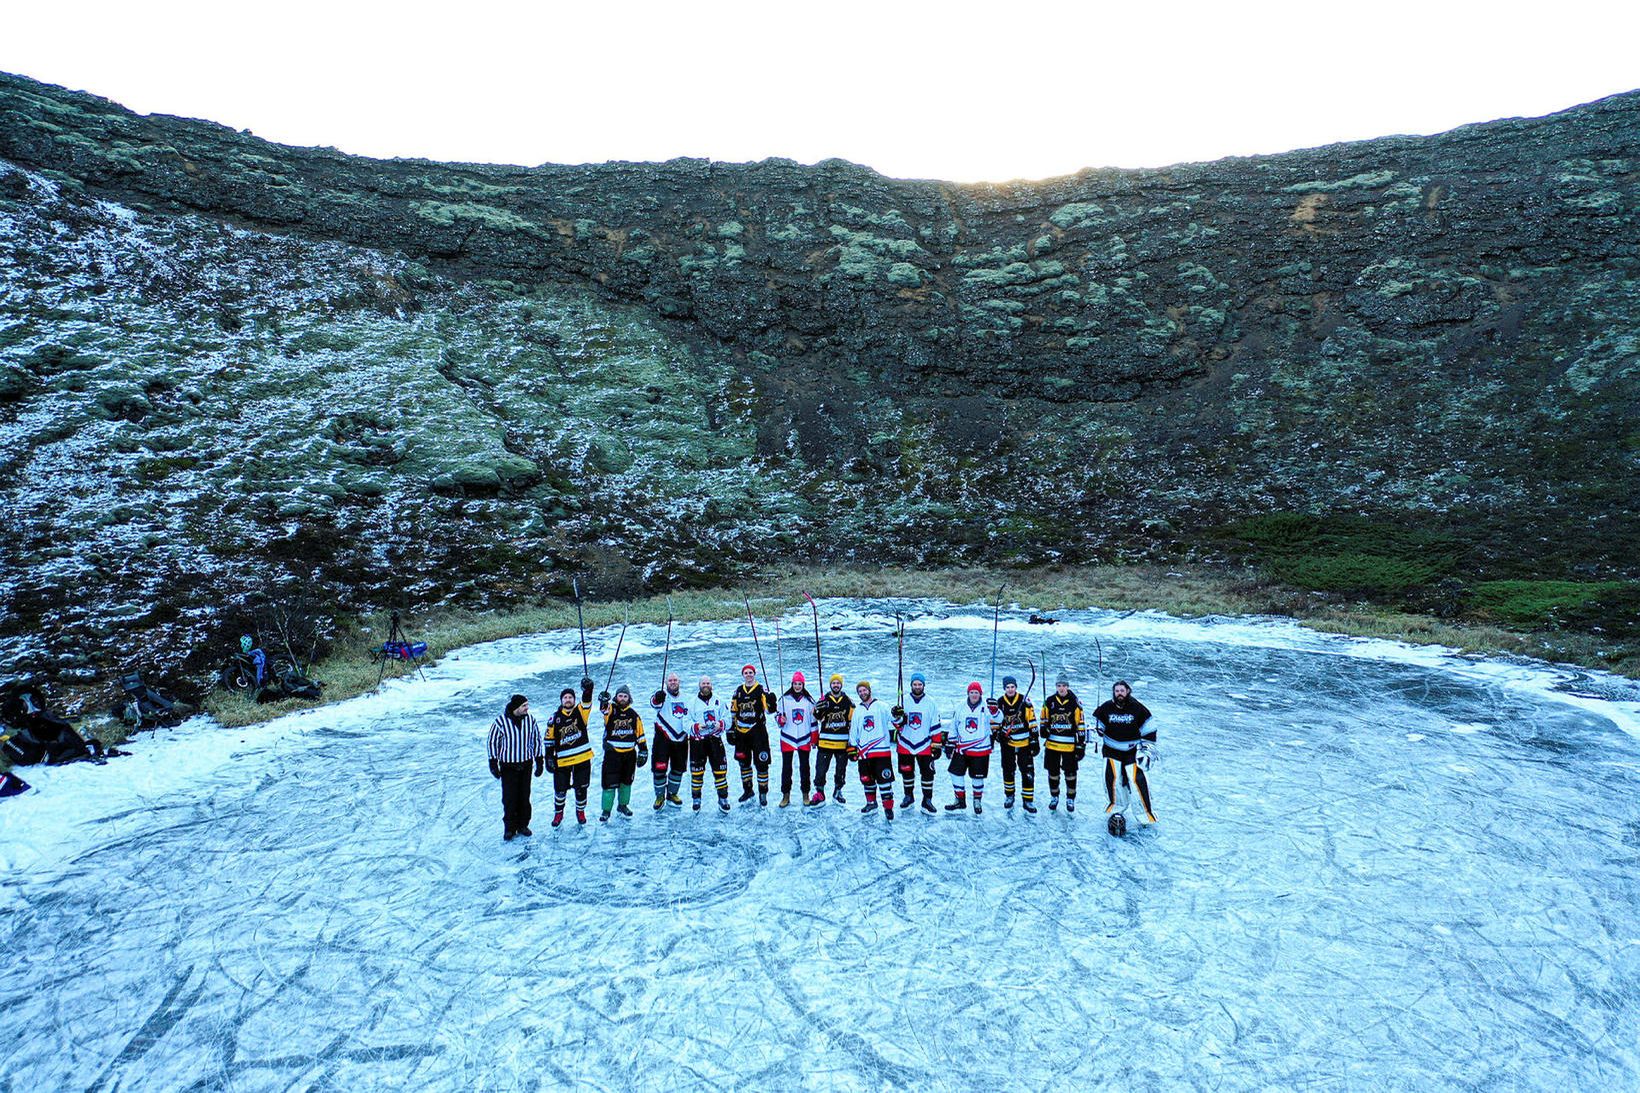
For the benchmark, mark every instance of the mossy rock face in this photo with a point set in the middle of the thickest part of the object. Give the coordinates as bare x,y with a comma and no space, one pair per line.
14,383
1425,344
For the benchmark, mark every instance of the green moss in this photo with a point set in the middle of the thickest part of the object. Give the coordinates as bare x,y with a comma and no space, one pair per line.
1371,575
1347,554
904,273
446,214
1078,214
1367,181
1535,603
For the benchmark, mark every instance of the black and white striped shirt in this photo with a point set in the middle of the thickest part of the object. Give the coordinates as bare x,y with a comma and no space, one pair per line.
515,741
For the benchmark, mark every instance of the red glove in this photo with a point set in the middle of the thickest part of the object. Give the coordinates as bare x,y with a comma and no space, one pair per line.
780,719
814,739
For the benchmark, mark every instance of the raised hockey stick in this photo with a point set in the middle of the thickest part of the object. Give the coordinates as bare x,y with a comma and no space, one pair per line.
819,666
996,619
617,659
581,624
756,643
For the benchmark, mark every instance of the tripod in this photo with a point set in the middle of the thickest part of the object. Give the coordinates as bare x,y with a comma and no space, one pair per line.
399,647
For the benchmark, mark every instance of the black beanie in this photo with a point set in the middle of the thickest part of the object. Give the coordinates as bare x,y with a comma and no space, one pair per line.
514,702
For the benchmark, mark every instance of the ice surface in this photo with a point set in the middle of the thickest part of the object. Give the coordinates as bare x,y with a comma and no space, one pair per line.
1376,866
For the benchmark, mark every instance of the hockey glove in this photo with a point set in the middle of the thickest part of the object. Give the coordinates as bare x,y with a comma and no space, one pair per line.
898,713
586,690
657,698
1036,746
495,767
551,762
643,755
1081,751
780,719
742,753
1146,755
853,753
814,739
540,765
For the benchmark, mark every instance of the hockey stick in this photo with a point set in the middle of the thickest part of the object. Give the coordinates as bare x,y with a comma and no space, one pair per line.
996,619
899,629
667,656
779,661
756,643
580,623
617,659
819,666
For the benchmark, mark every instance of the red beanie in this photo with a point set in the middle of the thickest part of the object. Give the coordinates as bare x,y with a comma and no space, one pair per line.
976,687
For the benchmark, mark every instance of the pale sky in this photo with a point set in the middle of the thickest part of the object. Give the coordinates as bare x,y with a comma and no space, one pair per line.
966,92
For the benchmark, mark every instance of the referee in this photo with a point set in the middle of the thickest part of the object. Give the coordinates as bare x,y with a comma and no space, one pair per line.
515,743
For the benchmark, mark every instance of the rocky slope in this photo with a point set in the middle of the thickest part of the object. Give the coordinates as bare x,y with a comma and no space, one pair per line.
222,358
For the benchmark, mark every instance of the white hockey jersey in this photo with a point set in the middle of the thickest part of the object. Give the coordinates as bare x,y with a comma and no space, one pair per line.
707,717
971,729
675,715
922,724
798,712
871,731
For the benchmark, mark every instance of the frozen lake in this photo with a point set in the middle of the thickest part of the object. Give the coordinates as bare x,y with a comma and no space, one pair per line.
1376,866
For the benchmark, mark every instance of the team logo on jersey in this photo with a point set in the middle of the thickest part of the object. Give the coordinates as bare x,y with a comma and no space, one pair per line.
797,717
916,718
679,709
871,722
973,722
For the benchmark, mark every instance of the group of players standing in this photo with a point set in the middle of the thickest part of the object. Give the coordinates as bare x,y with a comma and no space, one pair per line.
690,733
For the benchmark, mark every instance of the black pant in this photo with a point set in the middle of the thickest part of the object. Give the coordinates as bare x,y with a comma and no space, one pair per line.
707,750
1055,762
823,760
668,759
1021,760
515,795
910,765
752,753
580,776
786,758
877,775
619,767
971,766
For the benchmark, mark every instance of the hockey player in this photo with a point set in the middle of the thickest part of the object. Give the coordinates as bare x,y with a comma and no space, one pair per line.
833,715
749,709
968,744
919,742
871,735
795,717
1065,741
569,751
624,749
672,710
1015,721
1128,744
706,727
